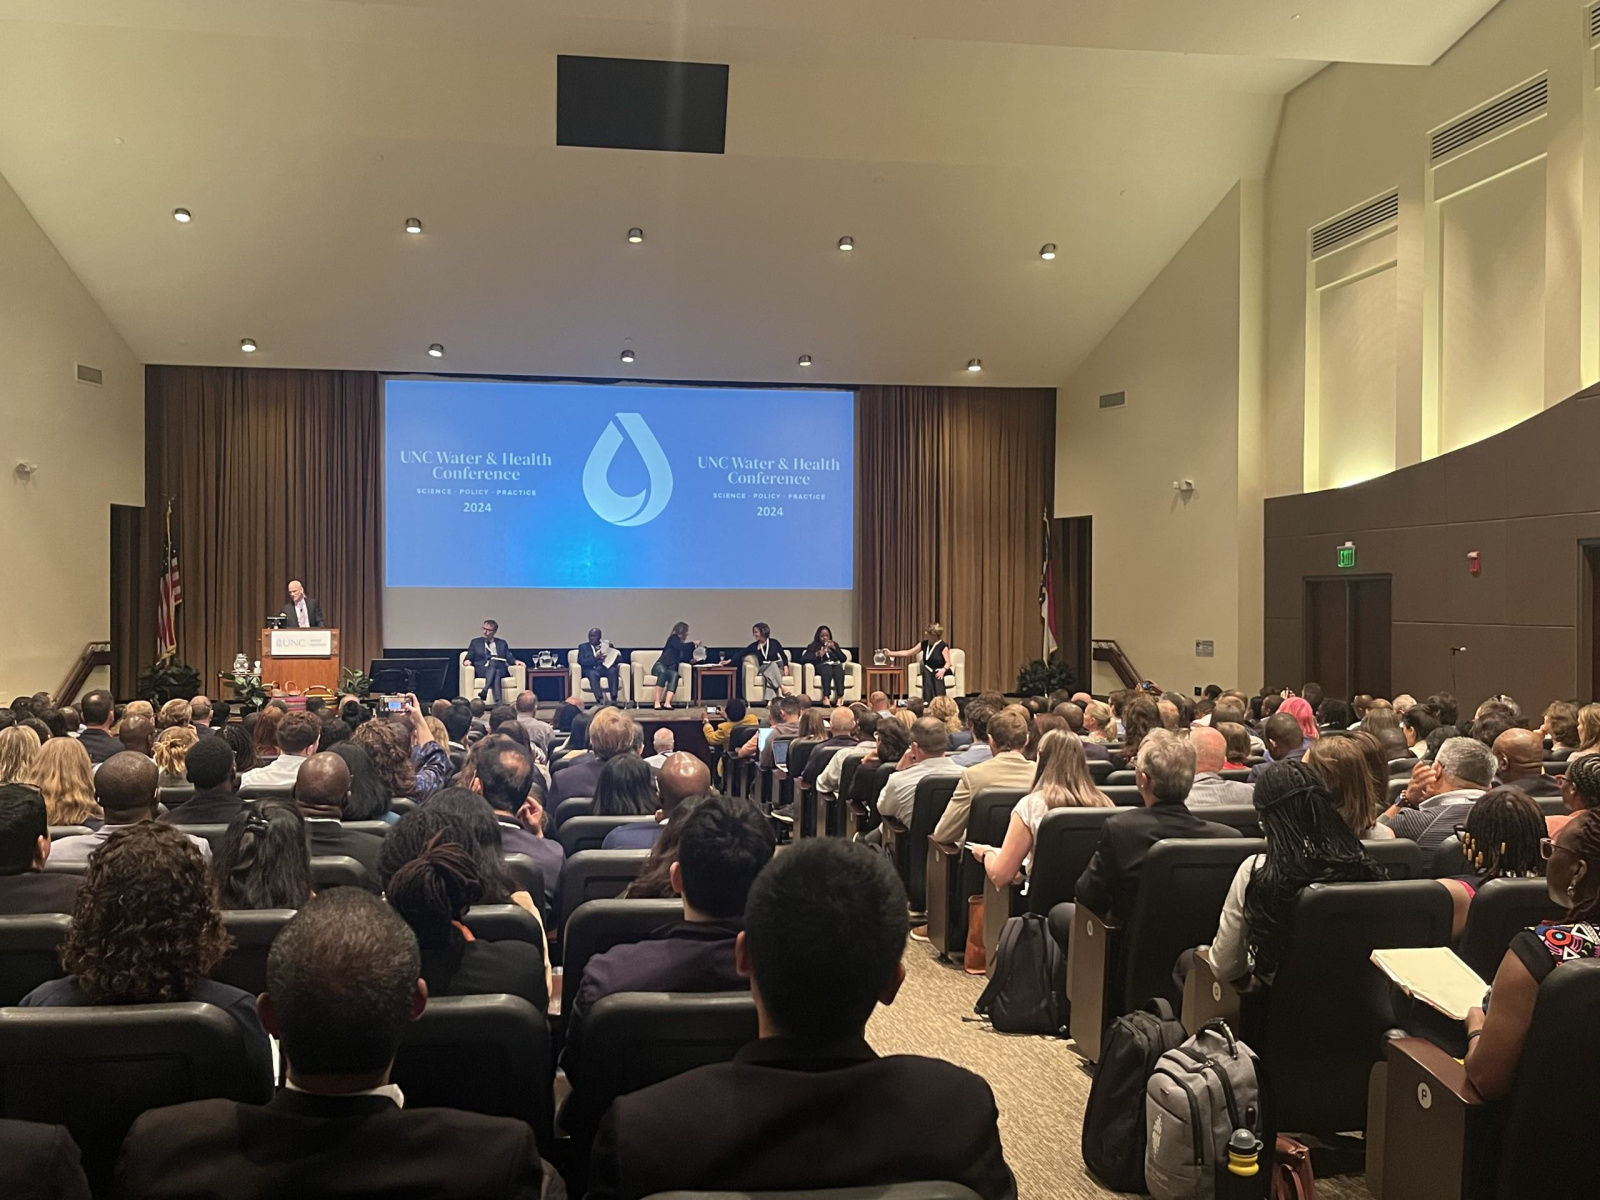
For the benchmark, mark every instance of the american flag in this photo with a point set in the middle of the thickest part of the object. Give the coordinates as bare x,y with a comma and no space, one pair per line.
171,596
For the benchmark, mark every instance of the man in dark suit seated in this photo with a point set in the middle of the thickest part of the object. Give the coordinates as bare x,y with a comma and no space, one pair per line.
592,666
1519,755
342,984
810,1105
490,657
210,767
98,710
25,886
1109,885
302,612
322,791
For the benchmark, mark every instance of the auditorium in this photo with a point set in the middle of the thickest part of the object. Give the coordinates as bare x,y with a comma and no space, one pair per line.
711,600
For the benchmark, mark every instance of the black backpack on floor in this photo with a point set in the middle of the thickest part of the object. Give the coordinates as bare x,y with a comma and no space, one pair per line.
1027,993
1114,1118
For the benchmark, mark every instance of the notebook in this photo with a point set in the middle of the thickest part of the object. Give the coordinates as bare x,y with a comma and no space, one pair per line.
1434,975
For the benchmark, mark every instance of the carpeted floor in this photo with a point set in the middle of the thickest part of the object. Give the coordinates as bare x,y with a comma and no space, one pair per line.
1040,1083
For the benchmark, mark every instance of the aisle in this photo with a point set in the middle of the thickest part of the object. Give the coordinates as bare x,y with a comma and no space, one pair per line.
1039,1083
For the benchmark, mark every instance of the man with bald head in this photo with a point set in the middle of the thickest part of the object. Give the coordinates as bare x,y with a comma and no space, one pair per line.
842,735
137,733
682,777
1209,787
322,793
126,787
1520,754
302,612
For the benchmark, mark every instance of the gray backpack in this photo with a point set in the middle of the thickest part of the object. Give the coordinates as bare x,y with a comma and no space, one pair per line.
1197,1096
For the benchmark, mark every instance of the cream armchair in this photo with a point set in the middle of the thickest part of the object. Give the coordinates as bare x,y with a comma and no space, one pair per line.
644,683
472,683
752,678
583,692
955,679
852,681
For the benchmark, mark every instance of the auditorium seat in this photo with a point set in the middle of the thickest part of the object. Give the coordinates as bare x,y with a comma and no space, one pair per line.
953,879
865,789
739,774
28,953
852,680
1447,859
640,663
1062,849
1401,858
1397,785
1125,778
1498,909
338,870
836,817
527,875
504,923
1555,767
750,679
1442,1142
252,930
810,821
955,681
471,683
1242,817
402,805
577,834
482,1054
95,1069
1236,774
174,794
572,806
1124,795
212,833
266,791
378,828
908,844
601,924
579,688
891,1191
79,867
61,831
596,875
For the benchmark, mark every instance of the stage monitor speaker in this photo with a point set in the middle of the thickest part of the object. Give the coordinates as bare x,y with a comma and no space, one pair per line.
427,678
641,104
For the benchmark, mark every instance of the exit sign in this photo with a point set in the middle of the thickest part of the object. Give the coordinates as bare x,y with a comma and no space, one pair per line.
1347,556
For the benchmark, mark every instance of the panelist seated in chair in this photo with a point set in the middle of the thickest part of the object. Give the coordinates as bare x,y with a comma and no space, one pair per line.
824,934
343,982
490,657
771,659
828,659
1495,1038
600,662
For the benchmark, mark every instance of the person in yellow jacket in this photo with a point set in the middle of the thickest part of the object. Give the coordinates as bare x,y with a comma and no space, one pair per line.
738,714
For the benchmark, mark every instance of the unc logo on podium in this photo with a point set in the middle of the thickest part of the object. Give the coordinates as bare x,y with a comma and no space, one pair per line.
638,509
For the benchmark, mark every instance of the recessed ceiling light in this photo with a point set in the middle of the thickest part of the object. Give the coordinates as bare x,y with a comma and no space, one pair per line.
805,360
182,216
413,225
248,345
975,365
847,242
627,356
1047,251
436,350
636,235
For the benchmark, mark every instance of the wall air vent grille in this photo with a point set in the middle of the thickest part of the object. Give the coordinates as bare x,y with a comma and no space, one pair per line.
1369,216
87,374
1525,101
1113,399
1594,23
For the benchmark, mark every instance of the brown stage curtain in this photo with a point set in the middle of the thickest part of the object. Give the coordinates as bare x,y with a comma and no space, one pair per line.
274,475
955,483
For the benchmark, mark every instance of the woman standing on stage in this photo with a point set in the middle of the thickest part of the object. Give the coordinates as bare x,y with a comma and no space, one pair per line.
935,657
770,658
825,655
674,654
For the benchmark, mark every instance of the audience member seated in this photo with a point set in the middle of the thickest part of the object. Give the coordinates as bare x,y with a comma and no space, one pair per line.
924,760
243,745
1417,723
1239,745
946,711
296,738
1062,781
98,710
825,929
171,748
1500,839
25,886
19,746
1519,754
265,731
201,710
1283,740
40,1162
125,786
724,845
1341,763
624,788
1495,1040
610,734
322,792
783,715
405,753
431,877
62,772
682,776
502,772
1109,885
831,778
842,735
654,880
1588,731
1210,758
1395,750
264,860
662,744
980,711
737,714
175,713
1441,793
369,798
1139,717
209,766
146,930
1006,767
1580,789
342,984
1561,727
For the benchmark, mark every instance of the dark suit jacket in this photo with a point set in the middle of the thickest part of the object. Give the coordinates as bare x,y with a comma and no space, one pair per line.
329,838
40,1162
579,779
211,807
38,892
1538,785
589,660
1094,751
100,744
1260,769
478,651
326,1146
1110,883
313,614
770,1120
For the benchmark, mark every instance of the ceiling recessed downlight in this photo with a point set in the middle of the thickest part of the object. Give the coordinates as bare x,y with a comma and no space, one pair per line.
182,216
413,225
636,235
1047,251
805,360
248,345
627,356
436,350
847,242
975,365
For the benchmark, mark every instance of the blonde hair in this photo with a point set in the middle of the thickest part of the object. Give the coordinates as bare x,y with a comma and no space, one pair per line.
611,733
65,778
19,746
944,710
137,708
1589,727
171,750
440,733
1062,777
174,713
934,632
906,717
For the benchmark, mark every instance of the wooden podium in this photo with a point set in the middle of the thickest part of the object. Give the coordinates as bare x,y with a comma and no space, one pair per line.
293,660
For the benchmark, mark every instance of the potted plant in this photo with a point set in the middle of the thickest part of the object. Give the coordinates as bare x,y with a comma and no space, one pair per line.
166,680
1041,677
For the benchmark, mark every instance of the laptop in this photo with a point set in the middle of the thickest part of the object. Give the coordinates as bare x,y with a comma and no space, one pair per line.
780,753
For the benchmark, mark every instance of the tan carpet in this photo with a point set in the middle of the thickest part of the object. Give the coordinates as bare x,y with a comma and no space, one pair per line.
1040,1083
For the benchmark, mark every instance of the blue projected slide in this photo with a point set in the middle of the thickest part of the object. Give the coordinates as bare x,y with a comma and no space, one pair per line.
534,485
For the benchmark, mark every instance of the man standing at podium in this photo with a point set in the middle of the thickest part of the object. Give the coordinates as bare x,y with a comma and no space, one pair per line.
302,612
489,656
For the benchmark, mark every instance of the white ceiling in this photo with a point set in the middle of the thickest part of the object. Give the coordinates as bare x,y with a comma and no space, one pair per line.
951,138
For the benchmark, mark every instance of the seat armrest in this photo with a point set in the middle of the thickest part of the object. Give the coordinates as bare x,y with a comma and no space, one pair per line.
1433,1123
1205,997
896,825
1089,958
997,905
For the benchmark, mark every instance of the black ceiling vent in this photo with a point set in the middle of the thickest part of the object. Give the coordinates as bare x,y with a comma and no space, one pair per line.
1525,101
641,104
1382,211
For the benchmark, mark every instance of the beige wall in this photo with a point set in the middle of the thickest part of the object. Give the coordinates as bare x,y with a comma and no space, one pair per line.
88,443
1171,569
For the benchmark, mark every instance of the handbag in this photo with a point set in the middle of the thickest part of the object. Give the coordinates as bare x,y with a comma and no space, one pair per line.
1291,1171
974,960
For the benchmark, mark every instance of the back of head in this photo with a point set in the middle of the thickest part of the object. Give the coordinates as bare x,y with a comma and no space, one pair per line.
19,746
1501,835
1230,711
682,776
1464,762
1335,714
457,719
1443,705
1139,717
1582,778
1392,744
22,823
1311,693
137,731
737,709
930,736
1341,764
125,785
1420,720
96,707
334,731
894,739
174,712
1237,737
172,747
430,876
1520,753
1210,749
264,860
1166,766
723,847
610,732
342,977
504,772
825,927
477,827
527,704
1008,730
298,732
624,788
322,785
1283,734
842,723
209,763
200,709
1561,722
663,741
1488,727
1071,714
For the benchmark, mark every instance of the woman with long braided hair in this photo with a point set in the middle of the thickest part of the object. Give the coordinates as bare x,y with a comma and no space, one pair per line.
1499,840
431,878
1572,872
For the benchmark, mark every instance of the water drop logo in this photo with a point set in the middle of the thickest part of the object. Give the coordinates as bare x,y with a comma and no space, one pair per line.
627,510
